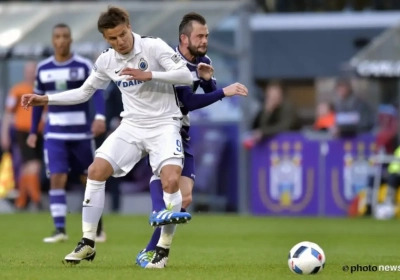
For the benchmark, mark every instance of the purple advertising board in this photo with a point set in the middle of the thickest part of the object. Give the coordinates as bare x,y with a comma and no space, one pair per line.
294,176
347,166
284,177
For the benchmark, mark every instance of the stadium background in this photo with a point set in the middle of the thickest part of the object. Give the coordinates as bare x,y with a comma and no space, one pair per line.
306,45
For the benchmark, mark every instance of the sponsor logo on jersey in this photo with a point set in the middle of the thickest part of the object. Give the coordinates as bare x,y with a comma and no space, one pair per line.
176,58
125,84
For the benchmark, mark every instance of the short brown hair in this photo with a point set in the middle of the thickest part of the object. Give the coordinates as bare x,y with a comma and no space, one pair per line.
111,18
185,27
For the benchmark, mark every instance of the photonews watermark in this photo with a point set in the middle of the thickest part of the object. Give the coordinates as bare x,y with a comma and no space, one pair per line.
371,268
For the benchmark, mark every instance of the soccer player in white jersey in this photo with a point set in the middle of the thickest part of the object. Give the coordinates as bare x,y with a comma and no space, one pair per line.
145,69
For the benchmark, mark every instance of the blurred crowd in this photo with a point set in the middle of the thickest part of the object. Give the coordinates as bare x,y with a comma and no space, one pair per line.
347,114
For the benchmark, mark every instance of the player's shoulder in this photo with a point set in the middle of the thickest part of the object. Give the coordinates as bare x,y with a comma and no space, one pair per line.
82,60
104,58
45,63
206,59
150,42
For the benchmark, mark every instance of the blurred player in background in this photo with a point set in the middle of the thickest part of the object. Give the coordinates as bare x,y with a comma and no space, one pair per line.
20,119
193,42
68,134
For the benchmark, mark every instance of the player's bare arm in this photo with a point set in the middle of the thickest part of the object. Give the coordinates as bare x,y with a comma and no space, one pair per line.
30,100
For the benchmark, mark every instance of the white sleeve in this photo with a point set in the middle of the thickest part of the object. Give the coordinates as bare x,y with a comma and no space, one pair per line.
73,96
176,71
99,78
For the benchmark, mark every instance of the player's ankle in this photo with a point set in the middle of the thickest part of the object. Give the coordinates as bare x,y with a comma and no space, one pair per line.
88,241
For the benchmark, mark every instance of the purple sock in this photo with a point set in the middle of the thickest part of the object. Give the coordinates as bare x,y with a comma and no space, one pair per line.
58,207
154,240
158,203
157,195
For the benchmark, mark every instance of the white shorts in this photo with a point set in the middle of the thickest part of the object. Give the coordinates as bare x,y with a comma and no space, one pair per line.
128,144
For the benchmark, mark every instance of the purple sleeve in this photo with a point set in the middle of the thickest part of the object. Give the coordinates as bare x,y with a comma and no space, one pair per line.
208,86
193,101
36,117
99,102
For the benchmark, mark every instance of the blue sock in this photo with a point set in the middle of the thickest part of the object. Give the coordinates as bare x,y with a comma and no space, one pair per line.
58,207
158,203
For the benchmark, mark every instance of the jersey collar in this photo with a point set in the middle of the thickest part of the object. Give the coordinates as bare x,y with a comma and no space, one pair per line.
137,48
184,58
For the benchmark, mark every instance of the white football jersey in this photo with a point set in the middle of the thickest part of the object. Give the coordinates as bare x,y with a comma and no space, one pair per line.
145,103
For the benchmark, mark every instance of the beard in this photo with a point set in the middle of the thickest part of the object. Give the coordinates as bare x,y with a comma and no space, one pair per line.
193,50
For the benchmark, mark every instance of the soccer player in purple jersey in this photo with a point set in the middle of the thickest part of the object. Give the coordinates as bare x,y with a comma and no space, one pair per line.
69,144
193,40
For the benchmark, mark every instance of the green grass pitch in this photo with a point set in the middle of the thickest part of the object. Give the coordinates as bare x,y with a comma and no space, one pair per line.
210,247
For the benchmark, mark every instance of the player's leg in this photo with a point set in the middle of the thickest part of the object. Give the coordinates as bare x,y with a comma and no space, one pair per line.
157,201
82,155
115,157
169,168
29,181
56,160
186,183
101,236
34,166
169,214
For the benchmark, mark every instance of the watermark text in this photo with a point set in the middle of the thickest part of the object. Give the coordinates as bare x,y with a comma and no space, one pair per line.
371,268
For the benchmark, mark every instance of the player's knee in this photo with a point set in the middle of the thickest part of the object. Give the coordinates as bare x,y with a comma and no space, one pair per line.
31,167
170,175
97,172
186,200
58,181
170,183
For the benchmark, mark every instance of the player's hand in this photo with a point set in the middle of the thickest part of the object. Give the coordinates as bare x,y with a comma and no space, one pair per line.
136,74
31,140
235,89
29,100
205,71
98,127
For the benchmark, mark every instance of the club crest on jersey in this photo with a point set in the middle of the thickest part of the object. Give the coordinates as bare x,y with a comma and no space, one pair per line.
73,74
143,64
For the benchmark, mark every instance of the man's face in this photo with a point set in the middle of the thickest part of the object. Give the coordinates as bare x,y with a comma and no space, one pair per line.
342,91
62,41
323,109
120,38
274,96
197,42
29,71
